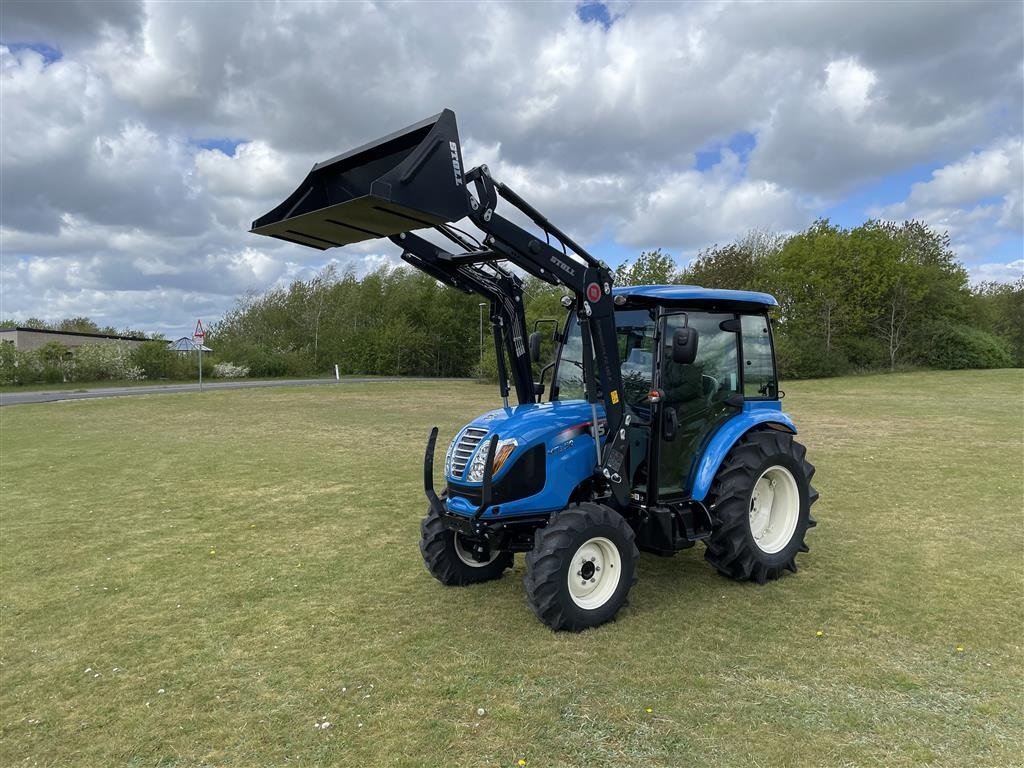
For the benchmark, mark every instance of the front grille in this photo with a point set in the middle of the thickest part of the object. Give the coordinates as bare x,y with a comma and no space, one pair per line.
524,478
464,449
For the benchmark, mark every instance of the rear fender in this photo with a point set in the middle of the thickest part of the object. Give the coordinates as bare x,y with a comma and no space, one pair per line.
758,414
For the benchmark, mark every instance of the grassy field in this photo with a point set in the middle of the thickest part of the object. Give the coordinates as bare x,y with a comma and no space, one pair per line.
195,580
85,386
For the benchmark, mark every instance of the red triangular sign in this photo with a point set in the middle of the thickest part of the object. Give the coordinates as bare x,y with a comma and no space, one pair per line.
199,332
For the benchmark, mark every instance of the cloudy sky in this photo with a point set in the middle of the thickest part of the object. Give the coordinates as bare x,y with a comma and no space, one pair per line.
139,140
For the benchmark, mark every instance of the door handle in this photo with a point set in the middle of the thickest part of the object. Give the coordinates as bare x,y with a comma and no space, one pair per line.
669,425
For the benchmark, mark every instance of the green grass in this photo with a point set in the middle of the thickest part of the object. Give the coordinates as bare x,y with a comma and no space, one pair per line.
83,386
253,555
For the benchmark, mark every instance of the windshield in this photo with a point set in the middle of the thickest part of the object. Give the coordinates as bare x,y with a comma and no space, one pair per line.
635,336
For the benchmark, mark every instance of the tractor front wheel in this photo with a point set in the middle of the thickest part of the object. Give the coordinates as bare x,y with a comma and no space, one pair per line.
450,557
581,567
762,500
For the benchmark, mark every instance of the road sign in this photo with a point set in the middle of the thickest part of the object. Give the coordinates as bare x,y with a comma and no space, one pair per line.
200,335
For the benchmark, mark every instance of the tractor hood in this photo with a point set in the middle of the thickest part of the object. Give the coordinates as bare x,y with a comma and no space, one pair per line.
530,424
550,424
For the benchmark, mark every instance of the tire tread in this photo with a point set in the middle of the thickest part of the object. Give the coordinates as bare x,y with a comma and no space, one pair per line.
437,548
728,550
544,561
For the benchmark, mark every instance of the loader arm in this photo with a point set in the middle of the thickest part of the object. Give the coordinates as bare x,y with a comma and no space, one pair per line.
415,179
504,292
590,281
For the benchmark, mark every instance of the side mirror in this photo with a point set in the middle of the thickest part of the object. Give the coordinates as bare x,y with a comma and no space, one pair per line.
535,346
684,345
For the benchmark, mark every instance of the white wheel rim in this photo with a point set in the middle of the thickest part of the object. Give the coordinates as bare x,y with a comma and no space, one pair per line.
467,557
594,573
774,509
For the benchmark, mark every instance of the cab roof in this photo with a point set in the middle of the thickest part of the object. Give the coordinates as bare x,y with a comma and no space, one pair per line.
694,295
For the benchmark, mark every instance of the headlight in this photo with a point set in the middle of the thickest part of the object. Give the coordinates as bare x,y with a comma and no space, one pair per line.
448,456
502,451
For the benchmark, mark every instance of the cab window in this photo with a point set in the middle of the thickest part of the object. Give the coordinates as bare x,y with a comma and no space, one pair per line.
697,394
714,374
759,379
635,340
635,334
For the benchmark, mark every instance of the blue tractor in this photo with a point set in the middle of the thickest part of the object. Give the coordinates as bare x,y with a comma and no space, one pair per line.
656,425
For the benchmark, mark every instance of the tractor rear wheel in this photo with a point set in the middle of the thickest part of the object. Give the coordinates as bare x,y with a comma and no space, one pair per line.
762,500
449,556
581,567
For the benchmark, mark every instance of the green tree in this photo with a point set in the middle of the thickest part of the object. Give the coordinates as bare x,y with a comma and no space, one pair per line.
650,268
812,276
920,279
998,308
78,325
742,266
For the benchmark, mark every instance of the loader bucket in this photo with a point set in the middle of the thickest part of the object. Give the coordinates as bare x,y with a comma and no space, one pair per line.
408,180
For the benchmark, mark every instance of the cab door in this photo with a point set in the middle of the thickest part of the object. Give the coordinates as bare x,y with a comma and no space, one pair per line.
698,397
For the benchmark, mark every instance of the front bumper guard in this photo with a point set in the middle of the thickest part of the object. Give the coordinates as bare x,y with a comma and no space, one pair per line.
435,502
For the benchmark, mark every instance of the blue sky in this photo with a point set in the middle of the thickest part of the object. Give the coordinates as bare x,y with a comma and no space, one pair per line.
597,13
48,53
141,138
225,146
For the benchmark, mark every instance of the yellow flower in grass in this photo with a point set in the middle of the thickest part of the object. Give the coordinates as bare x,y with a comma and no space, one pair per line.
521,762
959,649
213,551
649,710
819,633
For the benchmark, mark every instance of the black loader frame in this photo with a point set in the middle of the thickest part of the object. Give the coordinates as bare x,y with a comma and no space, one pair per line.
414,179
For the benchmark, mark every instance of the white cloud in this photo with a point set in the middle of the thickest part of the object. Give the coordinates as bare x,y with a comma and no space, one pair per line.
976,198
848,86
107,197
995,171
254,171
690,209
70,24
997,272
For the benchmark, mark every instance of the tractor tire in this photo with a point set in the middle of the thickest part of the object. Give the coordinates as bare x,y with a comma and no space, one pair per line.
448,557
581,567
761,499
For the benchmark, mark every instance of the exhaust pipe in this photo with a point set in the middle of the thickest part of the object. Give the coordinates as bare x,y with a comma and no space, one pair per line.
408,180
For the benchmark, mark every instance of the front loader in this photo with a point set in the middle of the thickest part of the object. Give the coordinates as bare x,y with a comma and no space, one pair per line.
663,423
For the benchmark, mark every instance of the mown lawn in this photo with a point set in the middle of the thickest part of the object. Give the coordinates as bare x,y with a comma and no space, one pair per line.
85,386
88,385
201,580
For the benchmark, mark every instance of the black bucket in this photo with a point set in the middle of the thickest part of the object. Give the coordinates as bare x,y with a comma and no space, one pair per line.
408,180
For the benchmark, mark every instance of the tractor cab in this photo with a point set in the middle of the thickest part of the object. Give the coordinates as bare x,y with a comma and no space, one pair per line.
685,394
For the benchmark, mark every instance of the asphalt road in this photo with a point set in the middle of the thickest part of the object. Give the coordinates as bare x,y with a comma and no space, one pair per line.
21,398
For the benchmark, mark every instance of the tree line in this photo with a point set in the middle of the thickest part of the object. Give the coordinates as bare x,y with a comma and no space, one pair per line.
390,322
78,324
880,296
